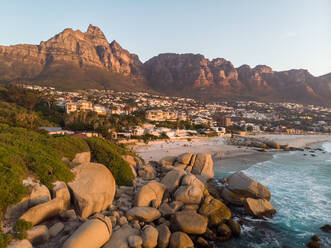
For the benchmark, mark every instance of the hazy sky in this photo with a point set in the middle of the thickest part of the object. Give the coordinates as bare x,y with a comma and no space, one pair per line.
283,34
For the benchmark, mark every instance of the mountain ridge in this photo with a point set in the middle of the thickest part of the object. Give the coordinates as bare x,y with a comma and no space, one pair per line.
73,59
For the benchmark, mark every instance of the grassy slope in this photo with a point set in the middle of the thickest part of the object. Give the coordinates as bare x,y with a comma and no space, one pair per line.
23,152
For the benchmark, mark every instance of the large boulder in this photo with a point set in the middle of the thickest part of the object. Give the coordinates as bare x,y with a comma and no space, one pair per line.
94,233
224,232
132,163
119,239
190,222
180,240
232,197
203,165
192,180
245,186
167,161
235,227
38,194
146,214
135,241
184,158
55,229
147,172
93,189
164,236
149,236
20,244
259,208
149,192
38,234
49,209
189,194
215,210
172,179
80,158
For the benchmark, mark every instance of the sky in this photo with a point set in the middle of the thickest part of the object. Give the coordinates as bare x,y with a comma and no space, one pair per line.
284,34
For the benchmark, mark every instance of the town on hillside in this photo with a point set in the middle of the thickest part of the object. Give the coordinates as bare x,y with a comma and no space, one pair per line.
179,117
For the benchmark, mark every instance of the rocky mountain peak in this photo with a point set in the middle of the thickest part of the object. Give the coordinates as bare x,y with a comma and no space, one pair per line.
262,69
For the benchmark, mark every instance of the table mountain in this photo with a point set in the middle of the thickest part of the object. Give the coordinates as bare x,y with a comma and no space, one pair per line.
195,75
74,60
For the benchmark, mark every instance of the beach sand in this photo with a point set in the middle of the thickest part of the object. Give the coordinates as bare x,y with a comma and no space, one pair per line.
227,158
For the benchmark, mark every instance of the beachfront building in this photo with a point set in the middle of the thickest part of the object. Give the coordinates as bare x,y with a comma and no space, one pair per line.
99,109
84,105
160,115
70,107
138,131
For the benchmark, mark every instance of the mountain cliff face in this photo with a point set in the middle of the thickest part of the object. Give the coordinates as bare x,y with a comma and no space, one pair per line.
72,57
194,75
74,60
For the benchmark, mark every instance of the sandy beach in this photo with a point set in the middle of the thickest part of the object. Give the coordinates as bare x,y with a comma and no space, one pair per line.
227,158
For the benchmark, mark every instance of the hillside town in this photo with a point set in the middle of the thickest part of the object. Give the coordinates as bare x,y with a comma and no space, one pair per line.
207,118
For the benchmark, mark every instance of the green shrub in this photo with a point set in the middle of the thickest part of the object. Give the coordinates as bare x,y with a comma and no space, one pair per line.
69,146
109,154
4,239
24,152
21,227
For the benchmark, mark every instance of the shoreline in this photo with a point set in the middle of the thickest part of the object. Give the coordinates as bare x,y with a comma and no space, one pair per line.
227,158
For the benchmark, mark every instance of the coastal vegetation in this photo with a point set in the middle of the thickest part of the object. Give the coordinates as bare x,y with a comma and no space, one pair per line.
109,154
21,227
25,153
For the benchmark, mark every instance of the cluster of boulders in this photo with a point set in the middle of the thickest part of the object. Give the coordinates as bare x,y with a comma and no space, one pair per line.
241,190
262,143
169,205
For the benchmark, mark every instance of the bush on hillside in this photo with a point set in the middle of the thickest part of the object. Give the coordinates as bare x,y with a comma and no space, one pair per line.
20,228
109,154
4,239
24,152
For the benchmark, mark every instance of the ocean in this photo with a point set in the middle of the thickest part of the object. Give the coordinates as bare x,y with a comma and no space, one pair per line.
300,186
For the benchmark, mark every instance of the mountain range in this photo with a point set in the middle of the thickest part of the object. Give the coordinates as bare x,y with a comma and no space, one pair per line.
74,59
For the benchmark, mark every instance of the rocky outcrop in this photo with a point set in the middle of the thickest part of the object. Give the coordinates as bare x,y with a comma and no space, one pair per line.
20,244
149,192
172,179
164,236
259,208
242,190
49,209
94,233
190,222
38,194
262,143
149,236
216,211
180,240
146,214
93,189
119,239
245,186
198,164
80,158
174,210
189,194
132,162
38,235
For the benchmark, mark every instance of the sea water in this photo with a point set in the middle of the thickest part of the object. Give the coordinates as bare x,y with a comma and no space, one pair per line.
300,186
